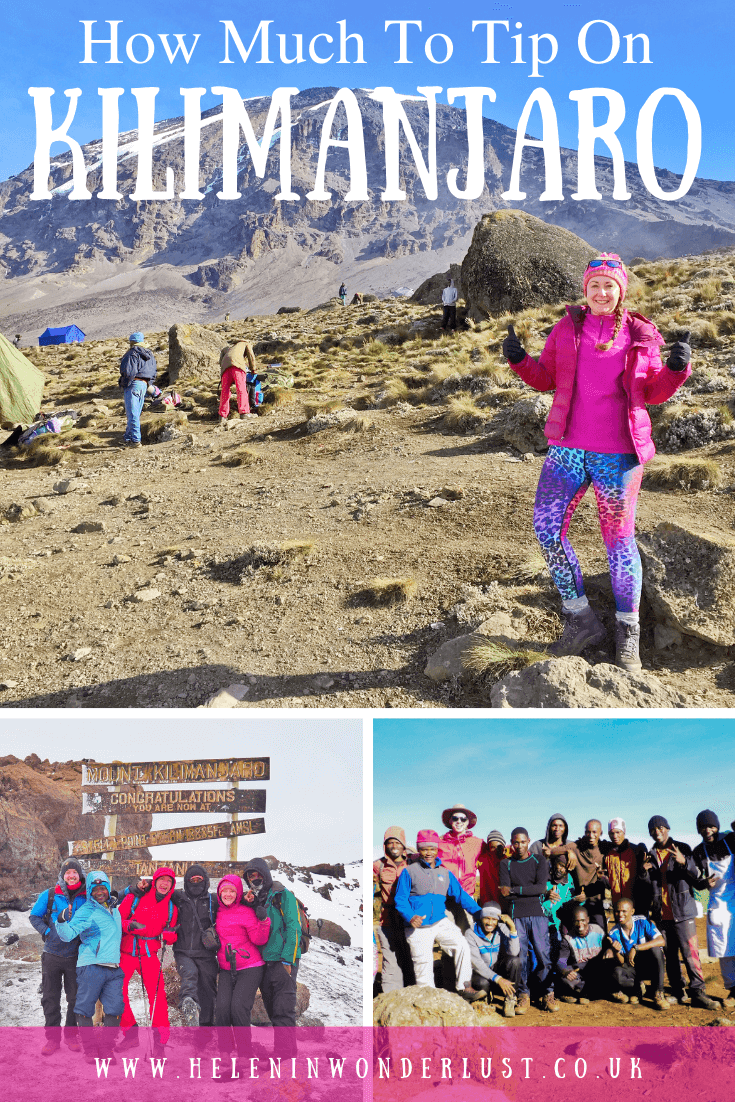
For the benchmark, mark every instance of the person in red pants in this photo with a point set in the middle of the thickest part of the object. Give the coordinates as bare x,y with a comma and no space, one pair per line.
148,918
234,363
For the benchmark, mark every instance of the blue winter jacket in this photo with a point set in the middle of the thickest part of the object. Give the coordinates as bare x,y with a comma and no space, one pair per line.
137,363
52,943
424,891
98,926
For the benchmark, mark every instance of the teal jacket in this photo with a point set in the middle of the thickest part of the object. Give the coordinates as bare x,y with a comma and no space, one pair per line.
98,926
284,941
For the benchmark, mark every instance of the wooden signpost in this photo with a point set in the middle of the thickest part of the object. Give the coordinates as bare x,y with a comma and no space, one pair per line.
116,788
127,869
199,771
218,801
167,837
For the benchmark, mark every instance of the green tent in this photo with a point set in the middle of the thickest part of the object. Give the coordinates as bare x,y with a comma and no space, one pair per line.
21,385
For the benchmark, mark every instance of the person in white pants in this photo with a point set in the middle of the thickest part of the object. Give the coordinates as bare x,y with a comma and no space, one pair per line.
421,899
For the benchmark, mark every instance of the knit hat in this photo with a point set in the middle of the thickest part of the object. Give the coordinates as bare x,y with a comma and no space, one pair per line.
496,837
707,819
616,824
518,830
72,863
449,811
136,338
657,821
427,838
619,274
491,910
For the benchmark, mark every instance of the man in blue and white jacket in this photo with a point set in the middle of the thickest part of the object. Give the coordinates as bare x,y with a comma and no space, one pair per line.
99,975
421,900
496,956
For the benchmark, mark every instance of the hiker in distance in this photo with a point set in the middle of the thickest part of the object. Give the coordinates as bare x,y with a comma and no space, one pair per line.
137,372
603,361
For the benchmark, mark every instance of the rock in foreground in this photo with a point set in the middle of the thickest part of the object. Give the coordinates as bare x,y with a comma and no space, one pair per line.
573,683
429,1006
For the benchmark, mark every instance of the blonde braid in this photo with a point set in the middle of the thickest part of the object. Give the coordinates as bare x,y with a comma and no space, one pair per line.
619,311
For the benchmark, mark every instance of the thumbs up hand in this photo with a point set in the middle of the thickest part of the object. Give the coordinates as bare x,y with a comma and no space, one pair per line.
680,354
513,350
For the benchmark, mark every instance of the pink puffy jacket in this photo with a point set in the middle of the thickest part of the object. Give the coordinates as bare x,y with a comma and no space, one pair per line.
646,379
240,929
459,853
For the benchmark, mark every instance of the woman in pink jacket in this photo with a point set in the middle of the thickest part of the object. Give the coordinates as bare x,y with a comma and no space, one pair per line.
242,927
604,363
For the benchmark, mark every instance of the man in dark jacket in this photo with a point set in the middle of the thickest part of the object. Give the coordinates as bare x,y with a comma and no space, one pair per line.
282,952
523,880
137,372
197,966
672,873
59,958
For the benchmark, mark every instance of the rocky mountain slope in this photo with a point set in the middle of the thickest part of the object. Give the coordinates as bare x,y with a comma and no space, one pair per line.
119,264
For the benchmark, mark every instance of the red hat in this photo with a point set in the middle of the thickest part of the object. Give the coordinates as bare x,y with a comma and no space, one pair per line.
427,838
618,273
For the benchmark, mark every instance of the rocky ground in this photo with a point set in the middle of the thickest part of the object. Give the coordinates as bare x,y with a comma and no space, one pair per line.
251,557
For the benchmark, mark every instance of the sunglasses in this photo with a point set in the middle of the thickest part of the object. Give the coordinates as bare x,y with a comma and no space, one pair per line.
460,819
605,263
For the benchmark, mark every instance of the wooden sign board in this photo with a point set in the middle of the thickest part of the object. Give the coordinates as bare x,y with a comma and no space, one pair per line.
167,801
167,837
177,772
130,870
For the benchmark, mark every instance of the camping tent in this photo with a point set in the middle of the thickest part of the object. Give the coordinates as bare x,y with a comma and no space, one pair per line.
21,385
68,334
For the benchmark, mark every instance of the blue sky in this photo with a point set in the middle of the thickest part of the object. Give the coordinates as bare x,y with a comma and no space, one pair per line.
314,797
690,49
518,772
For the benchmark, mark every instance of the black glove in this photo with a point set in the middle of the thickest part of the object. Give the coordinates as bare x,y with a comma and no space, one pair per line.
680,354
133,925
513,350
261,912
65,915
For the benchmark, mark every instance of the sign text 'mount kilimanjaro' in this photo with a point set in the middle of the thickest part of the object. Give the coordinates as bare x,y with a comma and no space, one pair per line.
166,801
167,837
177,772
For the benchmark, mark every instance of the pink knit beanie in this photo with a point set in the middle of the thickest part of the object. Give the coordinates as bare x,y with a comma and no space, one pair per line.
618,274
427,838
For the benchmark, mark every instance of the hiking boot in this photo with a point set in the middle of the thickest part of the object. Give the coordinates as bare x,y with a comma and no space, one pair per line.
634,1000
471,993
130,1040
581,629
619,997
569,999
51,1046
509,1007
190,1011
223,420
133,444
704,1002
582,1001
660,1002
72,1041
523,1003
627,643
550,1004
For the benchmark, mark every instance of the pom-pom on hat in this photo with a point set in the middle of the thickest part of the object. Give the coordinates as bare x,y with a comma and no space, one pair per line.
618,273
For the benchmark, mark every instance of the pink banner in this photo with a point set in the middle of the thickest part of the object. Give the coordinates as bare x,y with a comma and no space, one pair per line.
396,1065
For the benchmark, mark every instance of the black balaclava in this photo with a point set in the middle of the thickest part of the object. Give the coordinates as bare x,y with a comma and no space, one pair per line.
195,891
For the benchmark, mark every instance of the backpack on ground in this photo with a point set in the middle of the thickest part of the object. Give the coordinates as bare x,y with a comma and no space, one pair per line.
255,390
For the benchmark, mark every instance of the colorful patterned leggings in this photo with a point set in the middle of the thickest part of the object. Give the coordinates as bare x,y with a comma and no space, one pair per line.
616,480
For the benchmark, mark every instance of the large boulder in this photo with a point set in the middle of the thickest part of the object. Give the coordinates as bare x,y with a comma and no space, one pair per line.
329,931
193,353
522,424
689,580
573,683
427,1006
516,261
429,293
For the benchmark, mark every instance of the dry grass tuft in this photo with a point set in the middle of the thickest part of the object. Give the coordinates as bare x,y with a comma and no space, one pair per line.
358,423
529,568
463,414
671,473
297,550
387,591
490,657
240,457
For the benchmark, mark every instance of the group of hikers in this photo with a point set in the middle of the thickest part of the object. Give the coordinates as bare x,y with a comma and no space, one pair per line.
227,944
532,919
138,371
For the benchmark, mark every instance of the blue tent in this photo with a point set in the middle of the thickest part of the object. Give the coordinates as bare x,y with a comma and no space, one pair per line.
69,334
